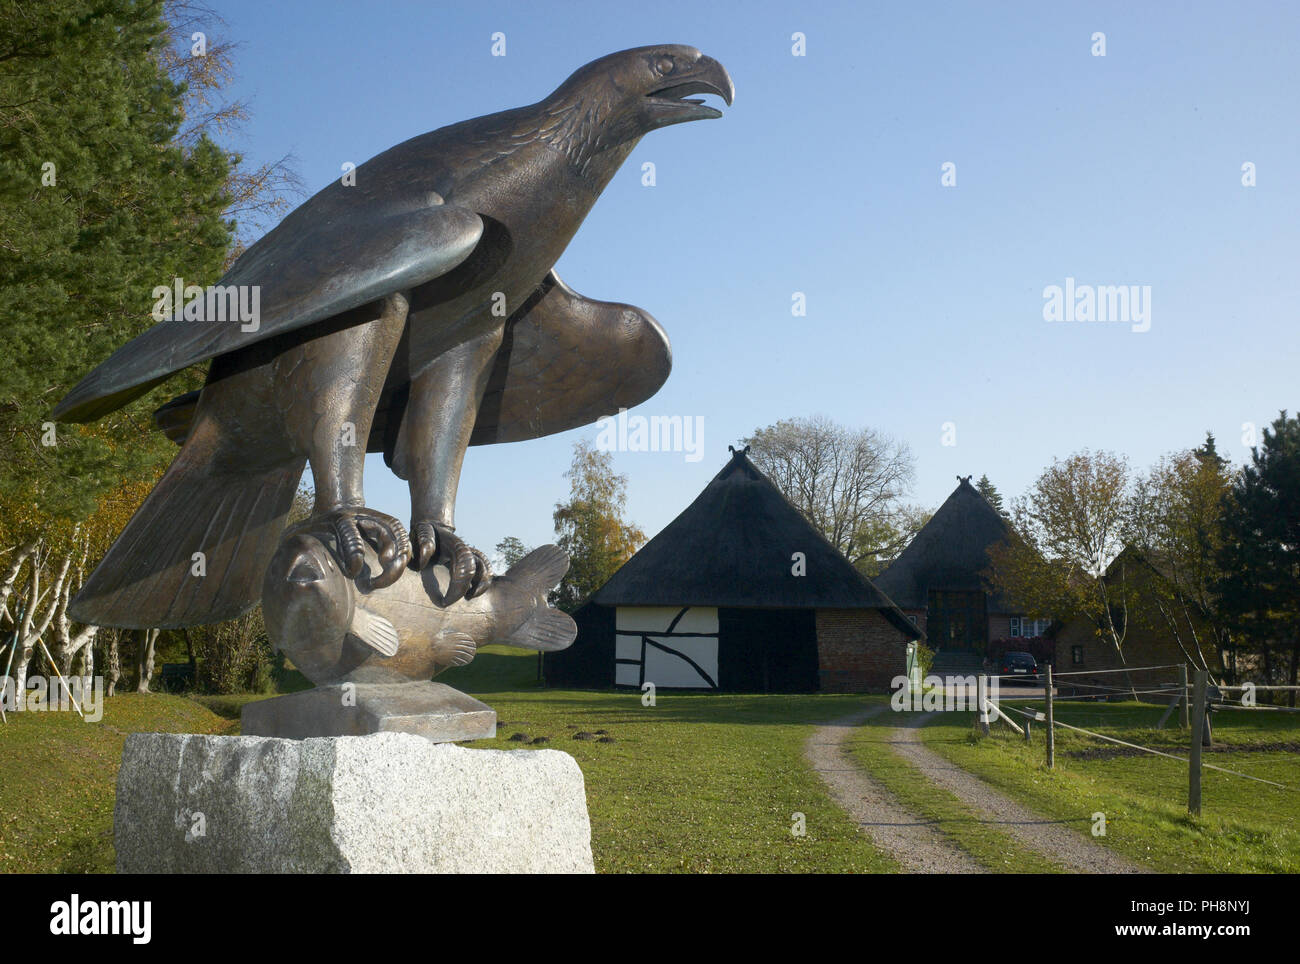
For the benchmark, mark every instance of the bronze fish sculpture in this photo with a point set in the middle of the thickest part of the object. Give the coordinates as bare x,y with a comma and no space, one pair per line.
336,628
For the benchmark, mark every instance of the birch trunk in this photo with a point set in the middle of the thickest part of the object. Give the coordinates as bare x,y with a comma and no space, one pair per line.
88,662
144,659
11,578
114,659
24,641
32,631
66,644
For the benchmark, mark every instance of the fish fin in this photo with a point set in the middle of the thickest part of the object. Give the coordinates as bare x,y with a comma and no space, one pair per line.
462,645
375,631
546,629
540,570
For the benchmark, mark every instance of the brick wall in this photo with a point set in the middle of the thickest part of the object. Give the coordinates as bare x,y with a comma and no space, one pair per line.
858,651
999,626
1143,646
1148,642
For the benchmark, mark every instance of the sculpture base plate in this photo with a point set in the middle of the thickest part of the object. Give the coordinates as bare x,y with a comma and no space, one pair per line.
385,803
434,711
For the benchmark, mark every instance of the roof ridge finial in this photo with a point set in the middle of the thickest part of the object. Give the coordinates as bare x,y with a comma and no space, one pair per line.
735,451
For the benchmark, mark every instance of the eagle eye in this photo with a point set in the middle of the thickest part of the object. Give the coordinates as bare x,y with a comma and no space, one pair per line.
664,66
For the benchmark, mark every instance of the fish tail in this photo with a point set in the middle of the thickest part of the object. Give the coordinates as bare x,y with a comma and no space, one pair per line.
537,573
541,570
546,629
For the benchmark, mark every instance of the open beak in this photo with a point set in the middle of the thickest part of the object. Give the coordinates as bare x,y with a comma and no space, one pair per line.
671,104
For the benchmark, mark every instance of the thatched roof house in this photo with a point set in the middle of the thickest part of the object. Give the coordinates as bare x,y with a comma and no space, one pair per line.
937,580
739,593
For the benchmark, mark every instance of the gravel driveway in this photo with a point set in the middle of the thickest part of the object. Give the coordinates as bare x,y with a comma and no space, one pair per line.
914,841
1052,838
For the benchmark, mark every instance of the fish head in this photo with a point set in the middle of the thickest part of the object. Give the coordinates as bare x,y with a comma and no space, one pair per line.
308,597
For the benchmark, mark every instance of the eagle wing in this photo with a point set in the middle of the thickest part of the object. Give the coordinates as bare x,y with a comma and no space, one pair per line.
330,255
564,362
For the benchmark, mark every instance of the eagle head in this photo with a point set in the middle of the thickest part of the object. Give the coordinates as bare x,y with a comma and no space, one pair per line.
628,94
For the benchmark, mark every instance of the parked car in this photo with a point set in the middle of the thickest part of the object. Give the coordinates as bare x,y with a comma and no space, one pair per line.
1019,664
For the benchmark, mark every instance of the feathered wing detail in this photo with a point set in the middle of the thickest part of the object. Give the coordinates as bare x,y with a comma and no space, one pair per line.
329,256
153,576
565,361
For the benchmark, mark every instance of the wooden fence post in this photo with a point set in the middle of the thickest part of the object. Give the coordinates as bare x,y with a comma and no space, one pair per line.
982,698
1051,728
1182,679
1194,758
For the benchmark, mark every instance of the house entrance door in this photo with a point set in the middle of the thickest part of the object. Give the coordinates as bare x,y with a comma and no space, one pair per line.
957,621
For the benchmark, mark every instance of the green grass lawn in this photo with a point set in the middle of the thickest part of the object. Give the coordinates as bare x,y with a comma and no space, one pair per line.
1245,827
711,783
698,783
58,776
991,847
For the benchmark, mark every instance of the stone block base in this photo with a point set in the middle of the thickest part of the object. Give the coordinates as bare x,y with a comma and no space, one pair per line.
384,803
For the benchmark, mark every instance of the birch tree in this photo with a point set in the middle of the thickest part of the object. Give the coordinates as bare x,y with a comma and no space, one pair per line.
1178,510
1064,562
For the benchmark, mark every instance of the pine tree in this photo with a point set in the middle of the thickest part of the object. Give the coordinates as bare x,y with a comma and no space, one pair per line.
991,493
97,207
1209,452
1259,592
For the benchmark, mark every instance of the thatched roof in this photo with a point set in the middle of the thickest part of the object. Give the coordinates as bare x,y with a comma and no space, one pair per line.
949,552
733,546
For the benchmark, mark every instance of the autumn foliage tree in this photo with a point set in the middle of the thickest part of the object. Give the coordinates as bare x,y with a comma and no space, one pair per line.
1070,527
510,550
590,526
1177,524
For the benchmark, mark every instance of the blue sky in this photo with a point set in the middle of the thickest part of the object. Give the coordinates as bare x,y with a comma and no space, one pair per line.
924,302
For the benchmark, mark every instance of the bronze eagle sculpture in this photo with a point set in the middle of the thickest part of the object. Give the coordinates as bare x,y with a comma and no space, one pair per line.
414,312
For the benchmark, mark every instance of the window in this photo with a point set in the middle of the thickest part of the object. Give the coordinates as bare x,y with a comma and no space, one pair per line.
1022,628
913,619
1076,655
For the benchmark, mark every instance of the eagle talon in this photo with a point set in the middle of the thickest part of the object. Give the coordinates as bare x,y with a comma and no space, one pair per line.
482,577
354,529
469,572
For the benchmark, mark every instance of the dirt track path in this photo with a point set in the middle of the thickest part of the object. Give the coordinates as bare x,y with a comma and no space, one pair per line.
913,841
1051,838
